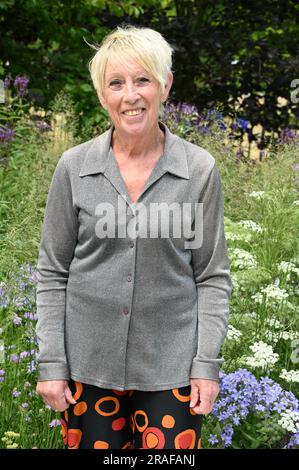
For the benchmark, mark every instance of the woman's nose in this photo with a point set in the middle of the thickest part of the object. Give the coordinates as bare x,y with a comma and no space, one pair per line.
130,92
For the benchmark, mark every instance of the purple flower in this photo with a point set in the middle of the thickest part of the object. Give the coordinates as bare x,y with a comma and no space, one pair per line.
204,129
17,320
169,108
7,81
14,358
3,299
213,439
24,405
260,408
6,134
33,277
24,354
242,395
287,135
54,423
21,302
242,123
294,441
30,316
188,109
31,367
16,394
43,126
20,84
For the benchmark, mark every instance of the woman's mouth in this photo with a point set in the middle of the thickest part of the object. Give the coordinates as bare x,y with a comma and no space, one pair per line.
134,112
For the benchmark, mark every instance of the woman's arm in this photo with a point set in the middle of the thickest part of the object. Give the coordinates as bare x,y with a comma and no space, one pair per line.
213,282
58,240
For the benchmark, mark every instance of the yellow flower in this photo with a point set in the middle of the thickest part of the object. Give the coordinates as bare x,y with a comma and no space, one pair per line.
12,446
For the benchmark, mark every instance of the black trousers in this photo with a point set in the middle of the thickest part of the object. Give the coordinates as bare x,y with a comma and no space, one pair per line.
131,419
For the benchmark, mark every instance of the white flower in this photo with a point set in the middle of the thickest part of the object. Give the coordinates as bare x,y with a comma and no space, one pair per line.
251,314
289,420
233,333
296,202
287,268
241,259
272,336
256,194
290,375
238,236
273,292
286,335
273,322
235,282
250,225
263,356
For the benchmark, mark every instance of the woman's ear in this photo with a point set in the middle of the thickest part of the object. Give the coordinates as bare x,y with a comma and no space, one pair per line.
102,101
167,87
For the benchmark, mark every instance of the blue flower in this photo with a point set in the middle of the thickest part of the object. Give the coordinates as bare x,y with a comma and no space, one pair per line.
242,395
54,423
242,123
213,439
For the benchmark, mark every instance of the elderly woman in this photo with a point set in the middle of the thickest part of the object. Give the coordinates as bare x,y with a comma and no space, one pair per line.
132,313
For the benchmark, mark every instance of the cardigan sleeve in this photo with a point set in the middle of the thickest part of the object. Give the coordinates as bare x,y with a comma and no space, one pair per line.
58,240
213,282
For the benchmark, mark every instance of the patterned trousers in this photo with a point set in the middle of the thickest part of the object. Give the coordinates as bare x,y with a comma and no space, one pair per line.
131,419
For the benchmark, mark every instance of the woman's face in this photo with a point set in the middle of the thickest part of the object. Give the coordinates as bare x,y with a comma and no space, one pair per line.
128,88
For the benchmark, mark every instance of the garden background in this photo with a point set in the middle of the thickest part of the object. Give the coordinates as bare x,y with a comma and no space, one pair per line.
235,93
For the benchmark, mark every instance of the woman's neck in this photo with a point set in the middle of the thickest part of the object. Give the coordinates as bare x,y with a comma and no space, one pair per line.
130,146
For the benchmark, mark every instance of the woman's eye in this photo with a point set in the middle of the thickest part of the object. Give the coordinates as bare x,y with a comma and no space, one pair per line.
143,79
115,83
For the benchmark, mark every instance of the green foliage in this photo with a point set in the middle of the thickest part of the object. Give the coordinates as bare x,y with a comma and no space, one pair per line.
230,49
24,188
223,51
25,178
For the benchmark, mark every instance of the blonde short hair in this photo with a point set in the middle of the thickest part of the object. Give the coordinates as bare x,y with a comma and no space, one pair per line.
145,46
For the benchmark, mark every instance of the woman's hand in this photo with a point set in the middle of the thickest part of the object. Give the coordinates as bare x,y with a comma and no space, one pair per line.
56,394
203,395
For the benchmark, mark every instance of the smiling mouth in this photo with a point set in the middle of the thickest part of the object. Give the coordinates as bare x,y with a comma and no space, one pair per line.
134,112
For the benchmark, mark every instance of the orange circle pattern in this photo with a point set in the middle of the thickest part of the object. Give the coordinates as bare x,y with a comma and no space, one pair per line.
152,437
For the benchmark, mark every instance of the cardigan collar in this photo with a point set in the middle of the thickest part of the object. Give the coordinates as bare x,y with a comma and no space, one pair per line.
173,159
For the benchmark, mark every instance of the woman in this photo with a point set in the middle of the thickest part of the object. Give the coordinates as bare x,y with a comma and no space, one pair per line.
132,315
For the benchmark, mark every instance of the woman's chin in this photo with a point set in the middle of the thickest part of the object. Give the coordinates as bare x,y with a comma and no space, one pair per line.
135,127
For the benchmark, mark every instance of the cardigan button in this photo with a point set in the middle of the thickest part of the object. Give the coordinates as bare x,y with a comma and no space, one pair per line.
129,278
125,311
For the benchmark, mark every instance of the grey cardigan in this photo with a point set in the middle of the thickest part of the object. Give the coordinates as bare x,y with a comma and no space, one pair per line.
128,312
